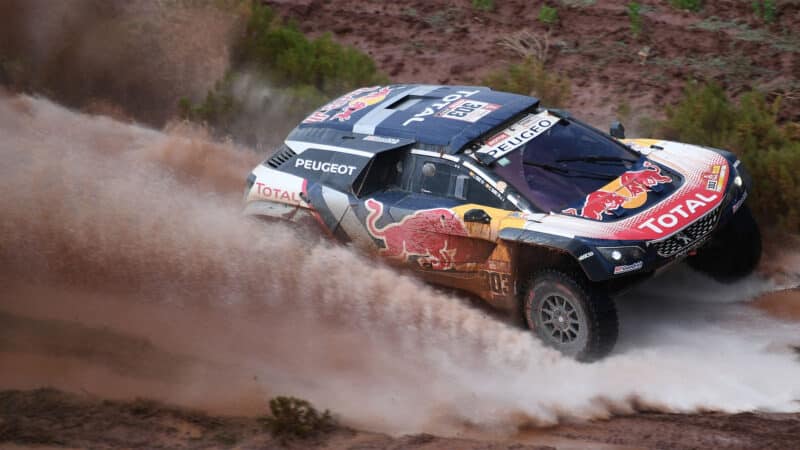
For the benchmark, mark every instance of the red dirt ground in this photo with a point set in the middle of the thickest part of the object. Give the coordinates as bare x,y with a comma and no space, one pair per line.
428,41
447,41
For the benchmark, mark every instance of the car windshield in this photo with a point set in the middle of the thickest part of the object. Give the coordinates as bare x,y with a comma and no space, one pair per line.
564,164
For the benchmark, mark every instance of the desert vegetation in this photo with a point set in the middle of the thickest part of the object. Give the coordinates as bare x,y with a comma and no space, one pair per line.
293,418
749,127
277,54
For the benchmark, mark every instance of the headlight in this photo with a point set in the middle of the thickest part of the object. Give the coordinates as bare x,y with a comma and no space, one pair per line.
621,255
743,175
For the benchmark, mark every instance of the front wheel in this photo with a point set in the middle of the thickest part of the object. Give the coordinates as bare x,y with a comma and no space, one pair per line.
734,252
568,316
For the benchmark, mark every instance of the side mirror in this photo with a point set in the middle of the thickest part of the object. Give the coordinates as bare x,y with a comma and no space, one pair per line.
617,130
477,216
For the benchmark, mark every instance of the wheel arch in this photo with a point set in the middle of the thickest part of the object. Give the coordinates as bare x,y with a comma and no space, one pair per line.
535,251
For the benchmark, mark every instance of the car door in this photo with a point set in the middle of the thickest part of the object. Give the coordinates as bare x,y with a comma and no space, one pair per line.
416,223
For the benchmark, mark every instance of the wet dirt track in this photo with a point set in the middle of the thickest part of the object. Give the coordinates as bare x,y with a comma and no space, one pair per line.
109,293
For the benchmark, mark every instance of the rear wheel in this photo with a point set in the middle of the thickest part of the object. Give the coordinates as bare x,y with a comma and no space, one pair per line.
734,252
568,316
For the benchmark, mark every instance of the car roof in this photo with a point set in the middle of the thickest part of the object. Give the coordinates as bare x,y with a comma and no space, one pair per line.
446,116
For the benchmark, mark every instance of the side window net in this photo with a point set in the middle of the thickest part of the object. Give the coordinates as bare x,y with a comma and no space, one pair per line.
438,179
445,180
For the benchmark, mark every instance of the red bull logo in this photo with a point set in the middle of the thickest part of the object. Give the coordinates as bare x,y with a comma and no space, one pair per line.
424,235
359,103
628,191
352,102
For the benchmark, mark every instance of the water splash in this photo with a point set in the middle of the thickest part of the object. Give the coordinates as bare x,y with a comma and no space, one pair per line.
126,229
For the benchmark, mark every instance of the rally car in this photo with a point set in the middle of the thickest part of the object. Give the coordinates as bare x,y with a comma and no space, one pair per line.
520,205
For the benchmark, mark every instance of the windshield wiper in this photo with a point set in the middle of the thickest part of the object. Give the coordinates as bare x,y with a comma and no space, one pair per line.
572,172
595,158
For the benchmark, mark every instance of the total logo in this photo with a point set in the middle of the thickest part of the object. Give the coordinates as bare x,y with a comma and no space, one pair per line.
691,207
272,193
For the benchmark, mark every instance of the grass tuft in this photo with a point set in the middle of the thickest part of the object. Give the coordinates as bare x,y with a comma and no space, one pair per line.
294,418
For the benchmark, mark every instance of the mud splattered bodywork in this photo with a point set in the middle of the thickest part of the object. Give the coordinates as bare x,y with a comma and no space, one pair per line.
478,190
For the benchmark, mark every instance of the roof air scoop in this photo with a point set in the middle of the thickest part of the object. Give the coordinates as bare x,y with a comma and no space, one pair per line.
405,102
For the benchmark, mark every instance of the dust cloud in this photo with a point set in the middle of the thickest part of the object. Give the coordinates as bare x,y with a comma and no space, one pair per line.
128,270
136,56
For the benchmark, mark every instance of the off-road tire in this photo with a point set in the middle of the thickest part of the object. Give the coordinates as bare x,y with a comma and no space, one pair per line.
734,252
592,309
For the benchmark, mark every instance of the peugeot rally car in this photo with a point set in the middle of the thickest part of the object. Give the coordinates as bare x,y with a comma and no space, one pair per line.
525,207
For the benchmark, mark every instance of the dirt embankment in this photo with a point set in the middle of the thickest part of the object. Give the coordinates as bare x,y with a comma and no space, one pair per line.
51,419
128,271
614,72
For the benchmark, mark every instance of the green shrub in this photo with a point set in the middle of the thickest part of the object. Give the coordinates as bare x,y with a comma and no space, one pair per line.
766,10
283,53
483,5
293,418
548,15
768,149
690,5
309,71
635,17
531,78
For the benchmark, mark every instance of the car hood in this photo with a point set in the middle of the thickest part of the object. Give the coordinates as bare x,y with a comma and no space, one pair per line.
671,187
638,188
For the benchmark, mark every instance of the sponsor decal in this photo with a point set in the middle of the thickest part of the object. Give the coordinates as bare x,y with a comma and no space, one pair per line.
496,265
327,167
438,106
498,283
316,117
350,104
467,110
517,135
629,191
501,186
585,256
628,268
689,208
715,180
382,139
497,138
423,236
478,179
272,193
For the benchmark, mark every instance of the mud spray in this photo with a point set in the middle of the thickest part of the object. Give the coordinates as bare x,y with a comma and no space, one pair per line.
127,270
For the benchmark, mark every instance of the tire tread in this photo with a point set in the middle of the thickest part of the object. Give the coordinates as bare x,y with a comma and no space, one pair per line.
601,311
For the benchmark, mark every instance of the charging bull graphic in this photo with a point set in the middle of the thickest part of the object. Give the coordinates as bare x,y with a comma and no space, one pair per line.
424,235
628,191
352,102
359,103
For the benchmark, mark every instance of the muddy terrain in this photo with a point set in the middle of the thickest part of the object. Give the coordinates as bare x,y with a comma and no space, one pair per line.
613,71
139,309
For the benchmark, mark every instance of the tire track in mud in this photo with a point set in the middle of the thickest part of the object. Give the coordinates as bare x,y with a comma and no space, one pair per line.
137,232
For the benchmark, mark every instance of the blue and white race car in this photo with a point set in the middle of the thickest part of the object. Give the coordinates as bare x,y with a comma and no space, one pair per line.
523,206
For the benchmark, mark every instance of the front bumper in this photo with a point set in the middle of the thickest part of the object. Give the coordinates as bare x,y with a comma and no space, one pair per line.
656,255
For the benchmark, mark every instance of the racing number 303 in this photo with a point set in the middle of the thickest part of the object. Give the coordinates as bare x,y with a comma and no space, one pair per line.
464,109
498,283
